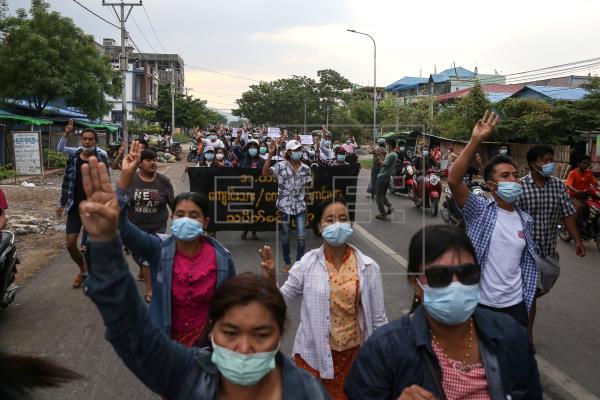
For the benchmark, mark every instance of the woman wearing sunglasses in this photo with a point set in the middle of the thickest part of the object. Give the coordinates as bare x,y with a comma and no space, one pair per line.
448,348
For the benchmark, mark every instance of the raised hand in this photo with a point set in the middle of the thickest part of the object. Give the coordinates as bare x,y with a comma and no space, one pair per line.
267,263
100,211
484,126
69,127
273,147
129,165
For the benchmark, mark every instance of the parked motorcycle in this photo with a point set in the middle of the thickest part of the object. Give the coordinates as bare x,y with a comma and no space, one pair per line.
403,180
450,211
590,224
175,148
426,192
193,151
8,268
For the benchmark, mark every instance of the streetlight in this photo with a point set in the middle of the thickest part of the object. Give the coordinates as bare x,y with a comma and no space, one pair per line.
374,81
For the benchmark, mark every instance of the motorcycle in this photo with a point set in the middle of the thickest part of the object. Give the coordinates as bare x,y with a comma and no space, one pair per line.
175,148
8,269
450,211
589,225
193,151
403,181
426,192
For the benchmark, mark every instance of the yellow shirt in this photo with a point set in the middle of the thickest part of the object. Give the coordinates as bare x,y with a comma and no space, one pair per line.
344,295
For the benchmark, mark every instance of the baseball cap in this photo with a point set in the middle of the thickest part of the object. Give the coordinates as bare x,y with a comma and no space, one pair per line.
147,154
292,145
209,148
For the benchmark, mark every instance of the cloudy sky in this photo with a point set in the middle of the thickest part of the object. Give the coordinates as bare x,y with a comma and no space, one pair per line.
269,39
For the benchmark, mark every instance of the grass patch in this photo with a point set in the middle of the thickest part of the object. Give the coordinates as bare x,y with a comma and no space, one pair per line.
368,163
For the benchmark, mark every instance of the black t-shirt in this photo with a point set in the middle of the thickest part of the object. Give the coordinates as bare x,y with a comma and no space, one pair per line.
78,193
149,201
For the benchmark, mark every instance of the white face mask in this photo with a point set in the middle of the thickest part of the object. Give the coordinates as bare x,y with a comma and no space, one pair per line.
220,156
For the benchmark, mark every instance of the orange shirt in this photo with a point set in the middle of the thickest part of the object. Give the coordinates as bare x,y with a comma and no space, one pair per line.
580,181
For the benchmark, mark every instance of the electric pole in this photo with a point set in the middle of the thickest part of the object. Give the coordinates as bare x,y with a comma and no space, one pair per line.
172,100
123,59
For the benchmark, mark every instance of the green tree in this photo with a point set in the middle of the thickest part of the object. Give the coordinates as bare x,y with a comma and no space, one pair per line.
333,89
145,115
46,58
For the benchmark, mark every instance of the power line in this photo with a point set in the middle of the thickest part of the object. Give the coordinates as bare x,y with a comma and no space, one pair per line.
222,73
153,30
93,13
142,33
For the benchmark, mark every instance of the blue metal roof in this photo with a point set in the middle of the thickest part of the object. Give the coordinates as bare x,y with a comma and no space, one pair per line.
459,72
407,82
557,93
496,97
52,110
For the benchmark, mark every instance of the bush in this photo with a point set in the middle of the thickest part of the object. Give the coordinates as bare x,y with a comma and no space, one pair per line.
54,159
6,171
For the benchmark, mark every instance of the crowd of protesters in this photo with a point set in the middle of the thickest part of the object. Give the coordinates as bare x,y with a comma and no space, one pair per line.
475,291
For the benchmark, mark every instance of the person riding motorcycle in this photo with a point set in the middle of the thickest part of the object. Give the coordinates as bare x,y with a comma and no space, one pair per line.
578,181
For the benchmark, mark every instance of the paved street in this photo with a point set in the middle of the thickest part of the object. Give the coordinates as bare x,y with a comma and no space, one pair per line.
52,319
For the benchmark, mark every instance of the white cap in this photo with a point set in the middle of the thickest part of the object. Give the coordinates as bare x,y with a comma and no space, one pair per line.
209,148
292,145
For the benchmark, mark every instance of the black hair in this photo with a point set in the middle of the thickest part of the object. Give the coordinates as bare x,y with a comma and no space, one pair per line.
340,150
19,375
538,151
391,142
144,142
320,209
197,198
431,242
583,158
90,130
488,170
147,154
244,289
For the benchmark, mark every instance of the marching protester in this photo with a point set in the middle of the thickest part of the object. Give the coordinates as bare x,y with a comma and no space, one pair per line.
250,158
379,153
186,267
246,322
501,232
116,162
350,145
208,157
72,191
579,180
3,208
150,194
221,158
342,298
292,176
325,148
448,348
388,167
546,200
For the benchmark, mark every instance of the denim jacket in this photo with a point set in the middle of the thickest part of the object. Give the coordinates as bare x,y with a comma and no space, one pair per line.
164,366
70,175
393,359
160,255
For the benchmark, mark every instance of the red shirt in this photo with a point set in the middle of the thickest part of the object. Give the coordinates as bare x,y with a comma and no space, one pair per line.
580,181
193,285
3,203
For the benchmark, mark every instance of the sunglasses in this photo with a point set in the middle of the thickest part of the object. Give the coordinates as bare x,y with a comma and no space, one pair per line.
440,276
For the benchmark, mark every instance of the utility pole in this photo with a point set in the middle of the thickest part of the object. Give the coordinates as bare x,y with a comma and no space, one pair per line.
172,100
327,119
123,59
431,108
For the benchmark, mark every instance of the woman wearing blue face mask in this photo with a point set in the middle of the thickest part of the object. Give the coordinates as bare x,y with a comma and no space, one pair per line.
500,231
449,348
342,298
186,267
246,321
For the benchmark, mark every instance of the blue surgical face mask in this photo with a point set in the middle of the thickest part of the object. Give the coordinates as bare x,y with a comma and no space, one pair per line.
296,155
243,369
341,157
252,152
327,143
337,234
209,156
450,305
509,191
186,229
547,169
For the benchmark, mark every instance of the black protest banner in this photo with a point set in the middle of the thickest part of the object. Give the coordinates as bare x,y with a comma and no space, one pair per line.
243,199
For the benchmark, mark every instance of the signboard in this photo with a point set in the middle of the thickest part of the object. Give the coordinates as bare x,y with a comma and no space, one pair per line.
28,153
306,139
243,199
274,133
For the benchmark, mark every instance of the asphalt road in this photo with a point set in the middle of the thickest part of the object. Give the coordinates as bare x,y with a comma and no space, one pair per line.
51,319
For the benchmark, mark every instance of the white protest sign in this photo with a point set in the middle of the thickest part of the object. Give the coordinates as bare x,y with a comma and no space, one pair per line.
274,133
306,139
27,150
